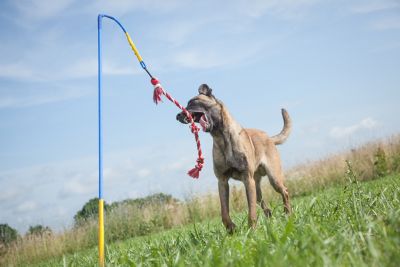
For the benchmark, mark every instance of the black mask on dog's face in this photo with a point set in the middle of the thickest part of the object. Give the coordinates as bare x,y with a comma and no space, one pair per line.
204,108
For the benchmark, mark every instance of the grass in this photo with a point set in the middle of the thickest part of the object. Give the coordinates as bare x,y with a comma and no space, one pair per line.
368,162
357,224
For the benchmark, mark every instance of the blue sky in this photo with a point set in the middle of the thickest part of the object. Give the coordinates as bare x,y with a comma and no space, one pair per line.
333,64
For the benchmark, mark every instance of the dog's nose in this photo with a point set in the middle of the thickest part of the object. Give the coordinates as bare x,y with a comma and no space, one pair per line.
179,117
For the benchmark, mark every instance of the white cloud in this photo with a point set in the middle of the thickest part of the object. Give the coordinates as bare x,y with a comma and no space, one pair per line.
144,172
26,206
365,124
386,23
29,98
126,6
181,31
284,9
217,55
39,10
374,6
110,68
17,71
75,187
89,68
371,6
197,59
83,68
12,193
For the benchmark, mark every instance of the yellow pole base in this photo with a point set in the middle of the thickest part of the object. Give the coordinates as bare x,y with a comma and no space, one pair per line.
101,233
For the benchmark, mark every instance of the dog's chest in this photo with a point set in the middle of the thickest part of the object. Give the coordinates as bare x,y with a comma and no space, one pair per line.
229,163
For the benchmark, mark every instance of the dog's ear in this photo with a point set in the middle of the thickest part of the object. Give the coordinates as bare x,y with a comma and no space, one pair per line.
205,90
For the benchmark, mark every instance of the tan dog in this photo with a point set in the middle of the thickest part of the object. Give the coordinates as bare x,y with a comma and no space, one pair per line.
243,154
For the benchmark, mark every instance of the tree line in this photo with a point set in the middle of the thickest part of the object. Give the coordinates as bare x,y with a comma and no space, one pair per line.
87,212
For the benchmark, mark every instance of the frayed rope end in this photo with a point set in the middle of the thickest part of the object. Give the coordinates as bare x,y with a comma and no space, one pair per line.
195,172
158,90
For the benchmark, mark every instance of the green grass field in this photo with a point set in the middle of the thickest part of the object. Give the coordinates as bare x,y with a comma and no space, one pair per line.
357,224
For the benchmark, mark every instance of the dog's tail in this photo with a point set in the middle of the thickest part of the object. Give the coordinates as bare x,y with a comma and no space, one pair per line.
287,127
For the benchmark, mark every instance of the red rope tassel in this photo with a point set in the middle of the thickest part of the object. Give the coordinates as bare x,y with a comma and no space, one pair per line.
194,173
158,90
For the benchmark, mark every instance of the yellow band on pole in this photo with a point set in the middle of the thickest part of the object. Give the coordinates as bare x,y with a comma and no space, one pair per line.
133,47
101,233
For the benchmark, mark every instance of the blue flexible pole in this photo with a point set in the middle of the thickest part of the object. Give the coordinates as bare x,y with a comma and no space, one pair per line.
99,58
114,19
99,107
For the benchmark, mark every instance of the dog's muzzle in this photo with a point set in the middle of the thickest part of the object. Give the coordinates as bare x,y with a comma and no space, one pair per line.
198,117
181,117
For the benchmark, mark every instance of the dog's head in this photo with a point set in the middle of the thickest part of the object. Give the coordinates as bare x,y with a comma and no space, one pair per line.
204,108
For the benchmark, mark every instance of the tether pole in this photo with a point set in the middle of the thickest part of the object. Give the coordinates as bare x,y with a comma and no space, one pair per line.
100,130
158,90
101,201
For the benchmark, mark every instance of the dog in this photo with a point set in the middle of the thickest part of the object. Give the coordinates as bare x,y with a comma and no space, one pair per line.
239,153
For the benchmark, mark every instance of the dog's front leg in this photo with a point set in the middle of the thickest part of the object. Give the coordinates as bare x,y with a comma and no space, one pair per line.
251,195
223,188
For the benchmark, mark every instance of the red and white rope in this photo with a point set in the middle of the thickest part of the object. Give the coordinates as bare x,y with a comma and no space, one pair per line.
158,91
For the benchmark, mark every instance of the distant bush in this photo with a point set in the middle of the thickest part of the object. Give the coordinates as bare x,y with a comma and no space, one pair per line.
89,211
7,234
39,230
380,163
154,199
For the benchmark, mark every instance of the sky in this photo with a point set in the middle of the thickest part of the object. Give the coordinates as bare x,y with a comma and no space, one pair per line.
334,65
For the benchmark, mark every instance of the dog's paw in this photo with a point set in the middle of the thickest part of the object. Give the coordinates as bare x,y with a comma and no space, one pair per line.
230,228
252,223
268,213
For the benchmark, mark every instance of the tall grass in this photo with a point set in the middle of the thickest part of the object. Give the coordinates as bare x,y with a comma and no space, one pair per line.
371,160
121,223
367,162
355,224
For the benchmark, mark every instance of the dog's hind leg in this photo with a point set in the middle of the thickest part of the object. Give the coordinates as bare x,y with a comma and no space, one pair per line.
260,199
276,177
223,189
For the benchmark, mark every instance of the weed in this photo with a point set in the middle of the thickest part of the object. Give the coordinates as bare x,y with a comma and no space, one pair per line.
380,163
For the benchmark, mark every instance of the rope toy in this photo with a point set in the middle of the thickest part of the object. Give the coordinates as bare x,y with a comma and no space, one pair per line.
158,91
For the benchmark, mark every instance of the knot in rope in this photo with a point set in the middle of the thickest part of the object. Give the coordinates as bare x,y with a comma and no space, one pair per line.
200,162
195,172
194,128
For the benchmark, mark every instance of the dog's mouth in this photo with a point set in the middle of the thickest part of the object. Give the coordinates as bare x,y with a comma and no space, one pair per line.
198,117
